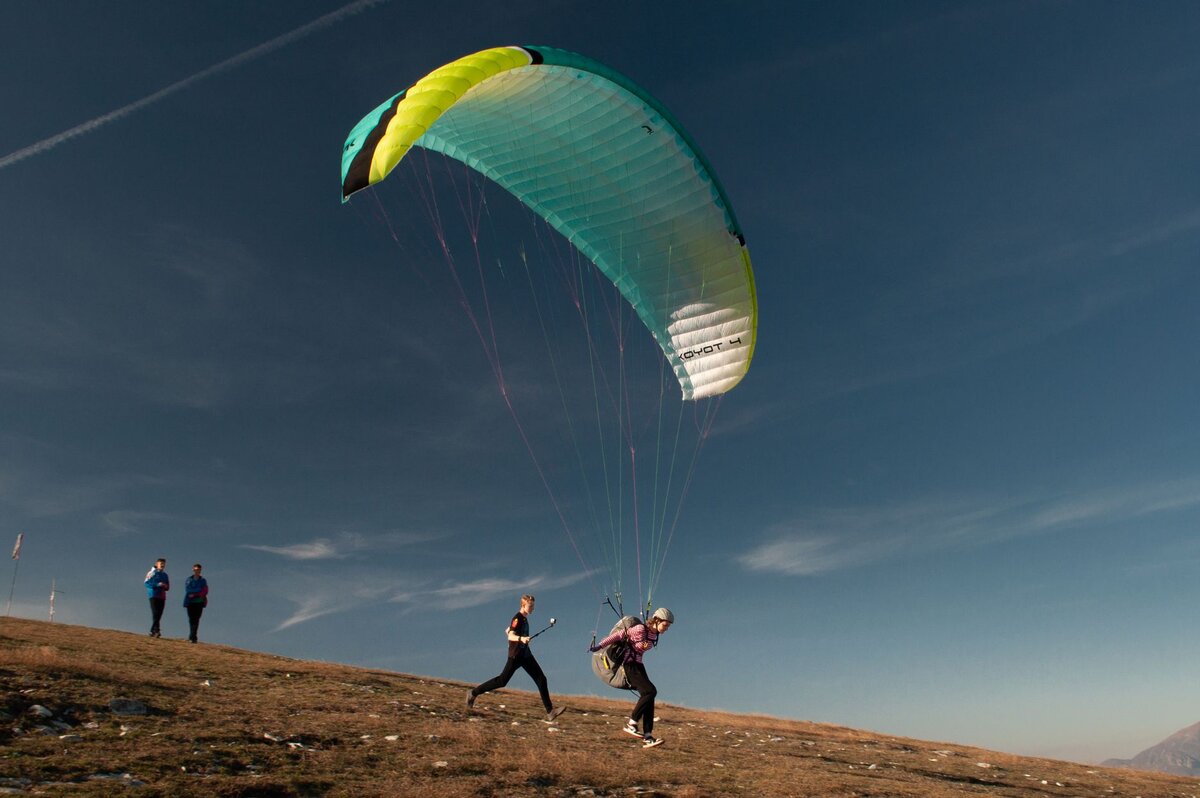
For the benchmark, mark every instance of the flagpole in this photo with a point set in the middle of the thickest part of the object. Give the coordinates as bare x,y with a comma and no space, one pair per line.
8,611
16,555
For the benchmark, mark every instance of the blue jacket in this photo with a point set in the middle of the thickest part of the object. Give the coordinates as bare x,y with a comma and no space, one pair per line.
195,591
157,584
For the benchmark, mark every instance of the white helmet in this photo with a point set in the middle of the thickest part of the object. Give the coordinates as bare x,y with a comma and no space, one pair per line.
664,614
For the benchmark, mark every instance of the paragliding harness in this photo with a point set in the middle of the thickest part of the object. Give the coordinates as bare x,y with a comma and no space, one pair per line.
609,662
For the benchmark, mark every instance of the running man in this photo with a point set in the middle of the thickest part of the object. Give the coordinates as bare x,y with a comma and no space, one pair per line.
519,656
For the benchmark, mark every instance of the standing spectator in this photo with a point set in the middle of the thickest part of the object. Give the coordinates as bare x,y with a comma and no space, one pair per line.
195,599
157,585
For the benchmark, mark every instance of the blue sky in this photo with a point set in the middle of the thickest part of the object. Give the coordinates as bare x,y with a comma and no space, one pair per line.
955,498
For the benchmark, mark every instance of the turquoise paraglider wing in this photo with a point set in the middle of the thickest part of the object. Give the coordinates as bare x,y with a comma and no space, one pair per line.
609,168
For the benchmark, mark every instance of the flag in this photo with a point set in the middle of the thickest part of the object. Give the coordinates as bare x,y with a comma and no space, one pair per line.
17,548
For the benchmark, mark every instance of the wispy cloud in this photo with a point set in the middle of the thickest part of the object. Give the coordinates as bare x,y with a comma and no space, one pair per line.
253,53
319,549
482,591
834,540
129,522
317,591
344,545
337,595
1184,224
1115,505
809,556
837,539
330,602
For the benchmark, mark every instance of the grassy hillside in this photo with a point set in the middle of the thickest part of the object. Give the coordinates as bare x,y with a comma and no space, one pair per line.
220,721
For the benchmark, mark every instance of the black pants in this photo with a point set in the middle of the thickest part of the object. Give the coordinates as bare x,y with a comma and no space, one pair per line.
194,613
156,611
643,710
524,660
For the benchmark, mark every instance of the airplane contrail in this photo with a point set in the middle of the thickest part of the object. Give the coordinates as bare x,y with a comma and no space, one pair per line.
283,40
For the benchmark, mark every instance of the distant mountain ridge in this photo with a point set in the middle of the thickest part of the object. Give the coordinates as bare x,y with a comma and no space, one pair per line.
1178,754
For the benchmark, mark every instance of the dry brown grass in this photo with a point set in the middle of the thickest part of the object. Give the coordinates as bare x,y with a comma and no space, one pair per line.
234,724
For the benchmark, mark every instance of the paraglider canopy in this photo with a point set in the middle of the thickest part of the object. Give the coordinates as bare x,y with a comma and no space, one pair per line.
607,167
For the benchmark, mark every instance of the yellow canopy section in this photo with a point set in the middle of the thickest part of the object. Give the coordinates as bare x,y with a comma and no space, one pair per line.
432,96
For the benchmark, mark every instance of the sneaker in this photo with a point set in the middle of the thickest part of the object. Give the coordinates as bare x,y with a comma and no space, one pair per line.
470,699
554,713
650,742
631,728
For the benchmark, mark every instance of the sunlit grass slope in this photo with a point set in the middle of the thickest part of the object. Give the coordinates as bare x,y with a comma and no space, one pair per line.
92,712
